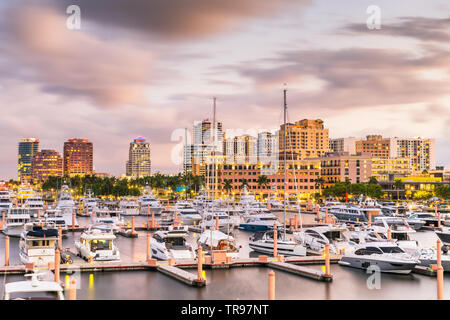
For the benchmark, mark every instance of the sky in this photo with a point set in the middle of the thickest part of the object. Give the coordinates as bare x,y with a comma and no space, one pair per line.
151,68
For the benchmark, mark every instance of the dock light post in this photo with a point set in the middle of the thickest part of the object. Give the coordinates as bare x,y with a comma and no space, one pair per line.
271,285
435,211
217,223
60,238
148,211
132,225
39,213
7,251
57,261
275,236
3,219
73,221
370,218
199,264
149,253
389,234
440,273
326,215
73,289
327,259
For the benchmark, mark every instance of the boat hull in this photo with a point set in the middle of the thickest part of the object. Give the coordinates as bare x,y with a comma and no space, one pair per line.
393,266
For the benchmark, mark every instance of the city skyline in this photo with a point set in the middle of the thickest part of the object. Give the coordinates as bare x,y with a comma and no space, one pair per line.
158,76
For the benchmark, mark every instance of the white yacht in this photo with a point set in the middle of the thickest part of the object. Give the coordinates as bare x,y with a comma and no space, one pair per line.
347,213
35,289
172,244
5,200
210,219
65,202
259,222
111,219
248,201
387,256
87,204
34,203
38,245
315,238
149,204
15,221
186,212
129,207
98,244
218,240
263,242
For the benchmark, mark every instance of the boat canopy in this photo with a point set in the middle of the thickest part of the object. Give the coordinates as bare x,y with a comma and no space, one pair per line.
216,237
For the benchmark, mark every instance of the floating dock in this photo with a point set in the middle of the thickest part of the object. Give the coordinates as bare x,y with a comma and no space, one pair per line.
182,275
301,271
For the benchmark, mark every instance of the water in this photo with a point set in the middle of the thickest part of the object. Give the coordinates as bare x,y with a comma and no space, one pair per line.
236,283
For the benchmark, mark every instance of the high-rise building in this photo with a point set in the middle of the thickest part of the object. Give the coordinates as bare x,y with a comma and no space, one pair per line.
375,145
343,145
420,151
267,148
305,139
28,147
78,157
241,149
388,169
205,141
139,163
46,163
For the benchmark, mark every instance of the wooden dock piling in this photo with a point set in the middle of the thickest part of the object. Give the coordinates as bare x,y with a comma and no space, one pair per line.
440,273
7,251
271,285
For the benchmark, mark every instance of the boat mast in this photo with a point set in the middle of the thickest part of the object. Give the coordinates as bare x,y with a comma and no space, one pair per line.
214,148
285,162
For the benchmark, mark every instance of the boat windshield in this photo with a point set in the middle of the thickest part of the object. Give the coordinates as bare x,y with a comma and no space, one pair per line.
333,235
175,241
391,250
100,245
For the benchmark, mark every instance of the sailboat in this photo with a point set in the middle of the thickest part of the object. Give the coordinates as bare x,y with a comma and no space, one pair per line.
264,242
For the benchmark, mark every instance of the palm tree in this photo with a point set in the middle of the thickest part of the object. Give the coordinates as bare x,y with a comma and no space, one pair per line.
319,184
398,184
244,183
227,185
263,181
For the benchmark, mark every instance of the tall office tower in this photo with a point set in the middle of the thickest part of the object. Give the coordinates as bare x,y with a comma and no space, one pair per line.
420,151
267,148
241,149
305,139
196,154
28,147
78,157
375,145
46,163
343,145
139,163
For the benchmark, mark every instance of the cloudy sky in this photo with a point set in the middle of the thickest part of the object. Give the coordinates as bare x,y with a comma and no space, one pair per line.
151,67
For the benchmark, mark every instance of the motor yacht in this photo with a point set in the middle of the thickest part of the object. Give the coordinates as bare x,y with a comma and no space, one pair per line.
35,204
186,212
210,220
87,204
37,245
15,221
171,244
429,219
111,219
98,244
5,200
149,204
217,240
129,207
34,289
263,242
259,222
65,202
315,238
387,256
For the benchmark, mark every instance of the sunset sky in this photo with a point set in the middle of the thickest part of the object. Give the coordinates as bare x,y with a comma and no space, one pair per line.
150,67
